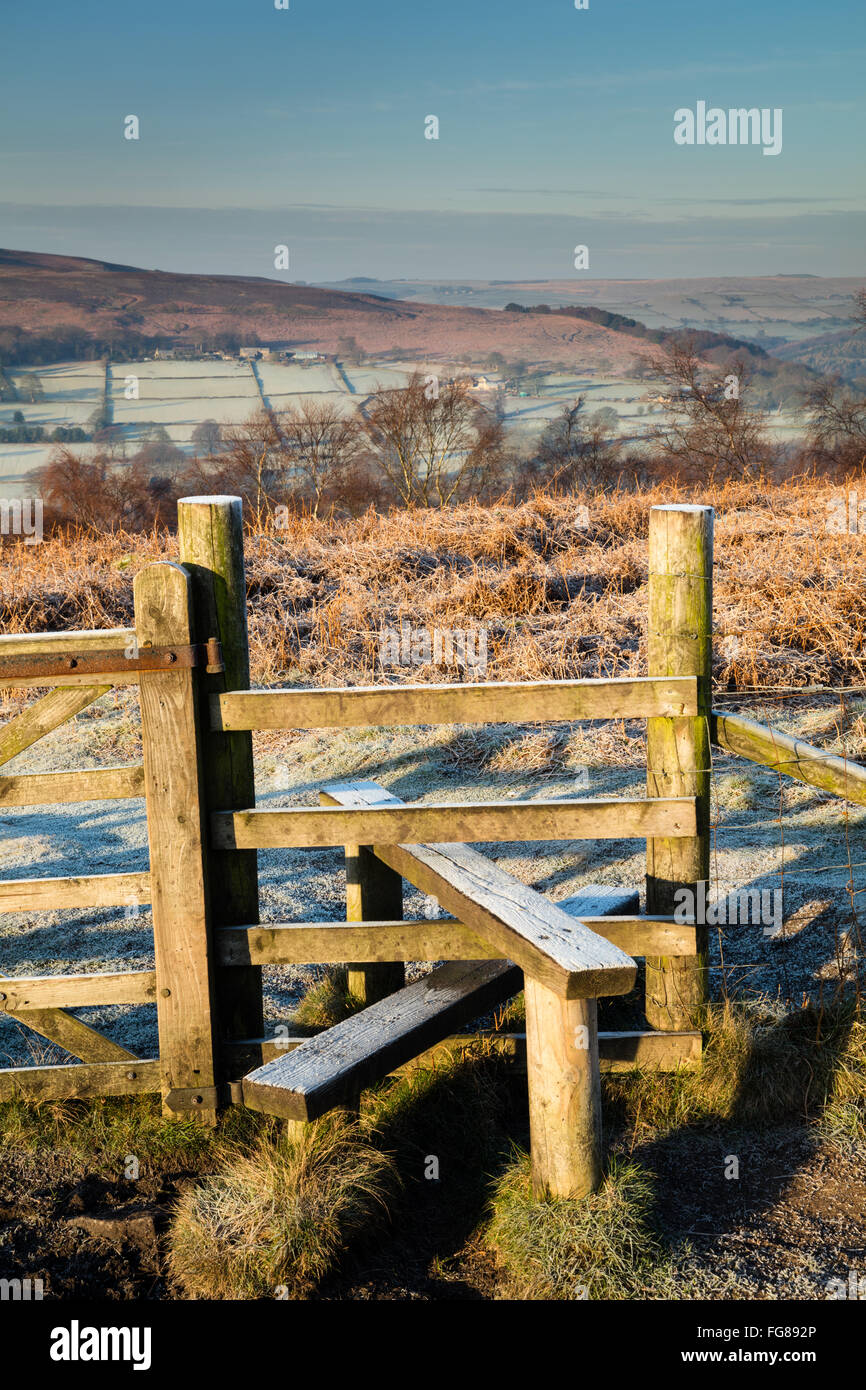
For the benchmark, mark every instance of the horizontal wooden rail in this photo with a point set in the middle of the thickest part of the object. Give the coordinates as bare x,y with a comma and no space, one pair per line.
55,788
80,1082
618,1052
52,894
782,753
493,702
46,643
459,822
19,993
331,943
115,639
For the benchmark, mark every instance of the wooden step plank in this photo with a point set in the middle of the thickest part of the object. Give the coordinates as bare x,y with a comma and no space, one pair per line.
331,1068
493,702
54,894
321,827
55,788
548,944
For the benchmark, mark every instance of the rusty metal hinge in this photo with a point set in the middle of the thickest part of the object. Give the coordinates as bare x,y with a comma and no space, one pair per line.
106,663
192,1098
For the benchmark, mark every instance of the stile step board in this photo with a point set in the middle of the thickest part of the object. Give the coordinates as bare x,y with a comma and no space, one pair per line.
330,1069
553,948
601,900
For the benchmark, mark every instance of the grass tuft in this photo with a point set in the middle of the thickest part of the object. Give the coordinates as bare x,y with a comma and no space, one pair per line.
603,1246
273,1222
328,1001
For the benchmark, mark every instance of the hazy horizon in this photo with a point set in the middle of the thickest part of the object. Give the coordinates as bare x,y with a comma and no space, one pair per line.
306,127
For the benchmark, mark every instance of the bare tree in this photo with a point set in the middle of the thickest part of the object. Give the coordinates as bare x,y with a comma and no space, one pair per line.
709,424
320,448
837,424
245,463
837,415
574,449
432,441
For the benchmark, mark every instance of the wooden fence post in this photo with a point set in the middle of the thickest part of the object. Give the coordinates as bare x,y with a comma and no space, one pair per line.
176,830
211,535
564,1092
678,749
374,893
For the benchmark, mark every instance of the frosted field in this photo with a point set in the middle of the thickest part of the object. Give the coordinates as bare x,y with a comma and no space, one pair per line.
18,462
66,382
50,413
290,379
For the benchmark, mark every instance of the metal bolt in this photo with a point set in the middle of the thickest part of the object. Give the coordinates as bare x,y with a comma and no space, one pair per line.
198,1100
165,993
170,657
2,998
72,662
131,1075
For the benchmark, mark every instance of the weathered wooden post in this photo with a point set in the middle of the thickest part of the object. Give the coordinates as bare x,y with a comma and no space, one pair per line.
678,749
564,1092
374,893
211,535
176,816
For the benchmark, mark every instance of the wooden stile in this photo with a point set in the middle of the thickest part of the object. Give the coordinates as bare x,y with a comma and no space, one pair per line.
211,537
678,748
176,832
529,930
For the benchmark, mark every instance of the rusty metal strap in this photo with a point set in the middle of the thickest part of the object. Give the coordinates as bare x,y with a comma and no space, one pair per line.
105,663
193,1098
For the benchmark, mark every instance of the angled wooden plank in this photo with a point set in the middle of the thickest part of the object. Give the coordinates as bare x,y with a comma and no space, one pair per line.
493,702
54,894
460,822
71,1034
55,788
80,1082
335,943
804,762
331,1068
536,934
19,993
43,716
180,896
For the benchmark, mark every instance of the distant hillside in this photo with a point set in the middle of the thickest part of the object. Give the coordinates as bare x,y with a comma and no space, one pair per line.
838,354
54,307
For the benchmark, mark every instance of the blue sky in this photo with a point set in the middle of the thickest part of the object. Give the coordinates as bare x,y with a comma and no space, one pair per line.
306,127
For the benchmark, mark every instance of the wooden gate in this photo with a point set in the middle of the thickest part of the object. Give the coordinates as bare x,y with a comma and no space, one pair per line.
188,655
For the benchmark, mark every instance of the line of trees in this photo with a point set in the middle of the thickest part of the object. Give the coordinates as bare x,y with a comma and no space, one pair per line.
430,444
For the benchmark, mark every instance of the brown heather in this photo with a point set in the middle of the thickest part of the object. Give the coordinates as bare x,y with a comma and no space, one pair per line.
557,600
